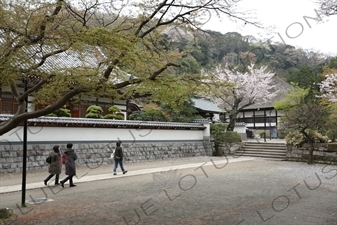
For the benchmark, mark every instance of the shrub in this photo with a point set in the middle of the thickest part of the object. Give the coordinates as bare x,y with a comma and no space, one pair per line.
261,133
139,115
317,137
61,112
94,111
149,115
295,138
156,115
114,113
114,116
114,109
232,137
332,134
220,135
217,131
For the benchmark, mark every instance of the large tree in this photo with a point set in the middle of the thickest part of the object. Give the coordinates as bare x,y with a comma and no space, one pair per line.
235,90
302,114
60,49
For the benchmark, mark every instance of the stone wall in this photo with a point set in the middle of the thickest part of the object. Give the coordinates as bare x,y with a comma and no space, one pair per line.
96,154
226,148
321,154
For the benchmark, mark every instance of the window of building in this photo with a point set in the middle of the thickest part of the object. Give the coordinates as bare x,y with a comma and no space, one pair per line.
6,95
7,108
74,106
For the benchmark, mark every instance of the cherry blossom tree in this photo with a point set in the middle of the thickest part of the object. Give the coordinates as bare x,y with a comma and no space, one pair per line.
235,90
328,7
328,87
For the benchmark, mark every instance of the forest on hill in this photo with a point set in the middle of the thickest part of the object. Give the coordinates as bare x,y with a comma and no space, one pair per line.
205,50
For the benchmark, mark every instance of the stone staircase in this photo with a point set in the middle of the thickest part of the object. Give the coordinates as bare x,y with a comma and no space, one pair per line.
263,150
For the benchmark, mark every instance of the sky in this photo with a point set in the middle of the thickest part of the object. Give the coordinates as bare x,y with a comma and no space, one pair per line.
288,22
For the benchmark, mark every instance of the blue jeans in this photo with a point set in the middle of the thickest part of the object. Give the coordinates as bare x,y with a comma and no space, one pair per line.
120,162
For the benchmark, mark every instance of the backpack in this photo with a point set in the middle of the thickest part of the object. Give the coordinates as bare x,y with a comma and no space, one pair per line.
48,159
63,159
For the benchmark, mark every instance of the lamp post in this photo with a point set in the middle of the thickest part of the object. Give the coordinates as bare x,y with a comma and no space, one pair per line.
270,124
127,108
264,136
24,157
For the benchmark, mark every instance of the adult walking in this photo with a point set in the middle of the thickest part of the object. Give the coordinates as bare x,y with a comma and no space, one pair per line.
70,165
55,165
118,158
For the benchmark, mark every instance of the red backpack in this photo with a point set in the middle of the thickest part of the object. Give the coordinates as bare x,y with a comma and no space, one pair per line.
63,159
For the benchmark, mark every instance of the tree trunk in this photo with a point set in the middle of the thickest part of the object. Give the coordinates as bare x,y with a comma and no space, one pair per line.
232,121
311,149
216,146
233,114
311,152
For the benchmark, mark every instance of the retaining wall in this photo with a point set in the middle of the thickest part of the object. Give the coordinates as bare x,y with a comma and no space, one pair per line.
94,141
96,154
321,154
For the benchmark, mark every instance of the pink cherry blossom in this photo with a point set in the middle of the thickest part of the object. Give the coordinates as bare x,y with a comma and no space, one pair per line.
328,87
249,87
234,90
327,7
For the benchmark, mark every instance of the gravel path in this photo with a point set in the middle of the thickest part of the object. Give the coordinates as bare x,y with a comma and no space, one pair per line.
249,192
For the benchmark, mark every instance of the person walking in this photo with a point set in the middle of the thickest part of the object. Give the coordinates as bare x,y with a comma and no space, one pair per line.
118,158
55,165
71,157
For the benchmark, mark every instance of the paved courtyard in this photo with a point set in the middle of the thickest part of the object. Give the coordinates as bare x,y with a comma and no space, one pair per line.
238,191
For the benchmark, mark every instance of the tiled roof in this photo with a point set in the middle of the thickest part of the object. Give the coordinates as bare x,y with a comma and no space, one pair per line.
86,122
59,60
205,105
204,120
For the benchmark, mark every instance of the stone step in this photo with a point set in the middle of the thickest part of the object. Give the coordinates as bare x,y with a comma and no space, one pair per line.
263,156
259,154
263,150
264,143
283,148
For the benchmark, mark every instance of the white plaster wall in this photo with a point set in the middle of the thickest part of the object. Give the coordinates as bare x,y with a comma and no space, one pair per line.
240,114
259,113
216,116
261,124
207,131
249,125
240,129
273,113
36,133
248,114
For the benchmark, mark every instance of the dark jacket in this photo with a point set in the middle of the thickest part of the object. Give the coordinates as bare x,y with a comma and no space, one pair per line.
119,153
55,165
70,162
